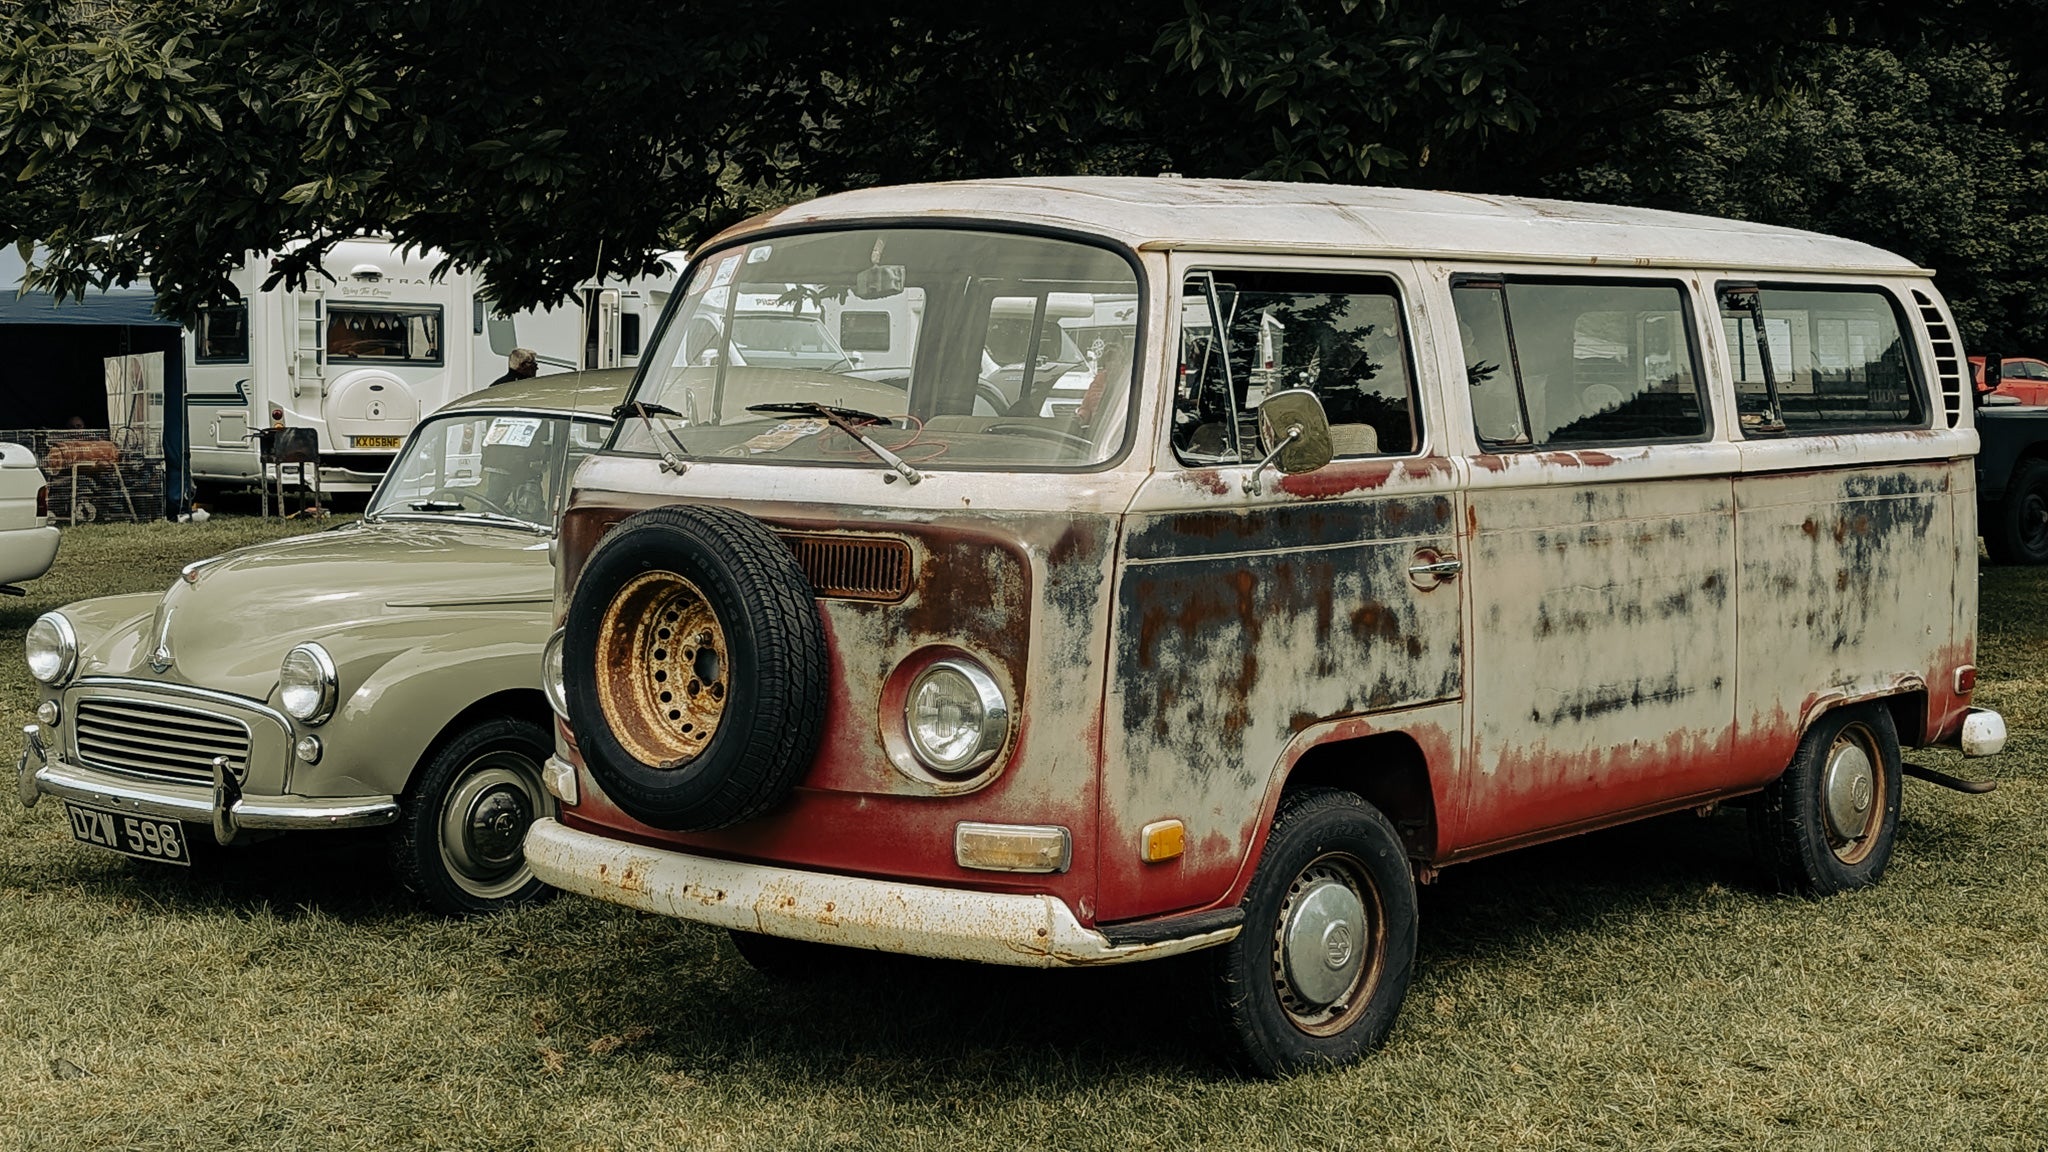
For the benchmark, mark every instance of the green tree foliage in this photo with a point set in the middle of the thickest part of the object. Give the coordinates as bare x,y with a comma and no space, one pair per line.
543,143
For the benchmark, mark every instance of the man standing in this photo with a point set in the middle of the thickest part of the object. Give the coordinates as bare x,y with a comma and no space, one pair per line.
522,364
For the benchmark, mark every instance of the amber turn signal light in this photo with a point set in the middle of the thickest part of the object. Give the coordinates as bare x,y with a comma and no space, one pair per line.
1162,840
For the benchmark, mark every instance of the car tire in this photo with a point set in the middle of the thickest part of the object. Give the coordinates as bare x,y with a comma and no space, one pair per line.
1317,976
694,663
2018,531
1828,823
458,841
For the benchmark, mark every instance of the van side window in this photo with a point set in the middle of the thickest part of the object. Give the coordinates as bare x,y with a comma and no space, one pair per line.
1553,363
1339,336
1831,360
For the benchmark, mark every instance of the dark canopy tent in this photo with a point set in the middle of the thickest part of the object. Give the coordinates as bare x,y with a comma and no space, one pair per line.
52,361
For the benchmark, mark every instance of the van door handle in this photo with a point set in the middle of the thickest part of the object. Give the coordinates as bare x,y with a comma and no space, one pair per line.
1442,568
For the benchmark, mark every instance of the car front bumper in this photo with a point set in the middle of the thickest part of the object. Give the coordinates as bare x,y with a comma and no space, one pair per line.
222,806
857,912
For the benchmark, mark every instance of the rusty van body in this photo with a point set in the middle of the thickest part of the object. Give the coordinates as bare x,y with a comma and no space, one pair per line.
1616,513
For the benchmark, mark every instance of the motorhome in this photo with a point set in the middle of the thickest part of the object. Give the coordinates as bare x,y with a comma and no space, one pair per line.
362,354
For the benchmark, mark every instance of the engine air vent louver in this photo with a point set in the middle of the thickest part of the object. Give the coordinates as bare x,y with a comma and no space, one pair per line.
853,567
1948,358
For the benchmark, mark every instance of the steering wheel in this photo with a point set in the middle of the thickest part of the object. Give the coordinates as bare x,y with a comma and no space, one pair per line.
475,494
1044,432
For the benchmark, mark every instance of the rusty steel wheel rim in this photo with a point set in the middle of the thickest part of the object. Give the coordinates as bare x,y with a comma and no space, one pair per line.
1853,794
662,669
1332,923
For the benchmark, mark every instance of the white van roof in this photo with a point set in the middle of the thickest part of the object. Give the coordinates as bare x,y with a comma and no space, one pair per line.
1265,216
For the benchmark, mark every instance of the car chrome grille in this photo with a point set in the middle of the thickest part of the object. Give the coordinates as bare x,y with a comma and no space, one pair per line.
161,741
853,567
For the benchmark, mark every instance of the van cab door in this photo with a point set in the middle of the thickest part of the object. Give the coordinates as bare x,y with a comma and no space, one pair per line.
1600,553
1248,621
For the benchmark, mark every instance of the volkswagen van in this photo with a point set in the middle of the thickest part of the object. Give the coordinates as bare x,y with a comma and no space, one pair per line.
1388,530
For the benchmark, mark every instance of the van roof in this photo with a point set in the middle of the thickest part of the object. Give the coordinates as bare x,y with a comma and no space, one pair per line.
587,393
1267,216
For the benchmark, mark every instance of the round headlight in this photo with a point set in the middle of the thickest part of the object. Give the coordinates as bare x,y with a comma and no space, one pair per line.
957,717
52,649
307,684
551,675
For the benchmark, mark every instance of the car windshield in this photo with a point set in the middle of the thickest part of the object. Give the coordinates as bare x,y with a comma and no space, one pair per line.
500,466
949,347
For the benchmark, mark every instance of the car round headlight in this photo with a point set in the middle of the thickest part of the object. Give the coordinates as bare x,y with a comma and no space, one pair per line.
52,648
957,717
551,675
307,684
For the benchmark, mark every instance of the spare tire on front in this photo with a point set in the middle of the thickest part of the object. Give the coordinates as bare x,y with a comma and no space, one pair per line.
694,662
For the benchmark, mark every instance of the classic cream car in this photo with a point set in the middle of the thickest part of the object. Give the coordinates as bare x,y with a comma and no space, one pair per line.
383,674
28,541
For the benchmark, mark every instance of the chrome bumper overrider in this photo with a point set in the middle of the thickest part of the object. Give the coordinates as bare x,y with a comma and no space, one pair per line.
951,923
222,806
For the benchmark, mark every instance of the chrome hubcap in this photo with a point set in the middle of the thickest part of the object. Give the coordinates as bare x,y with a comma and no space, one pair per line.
1849,789
1321,944
484,821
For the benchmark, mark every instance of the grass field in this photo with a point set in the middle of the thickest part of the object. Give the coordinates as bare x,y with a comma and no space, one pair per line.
1632,989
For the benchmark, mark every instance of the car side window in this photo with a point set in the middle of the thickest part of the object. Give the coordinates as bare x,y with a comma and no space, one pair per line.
1819,359
1245,335
1554,363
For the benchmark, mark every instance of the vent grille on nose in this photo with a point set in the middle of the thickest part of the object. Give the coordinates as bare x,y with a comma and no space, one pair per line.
1948,358
853,567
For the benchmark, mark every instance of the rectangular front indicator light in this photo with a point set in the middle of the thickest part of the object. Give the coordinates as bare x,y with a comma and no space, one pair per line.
560,777
1163,840
1012,847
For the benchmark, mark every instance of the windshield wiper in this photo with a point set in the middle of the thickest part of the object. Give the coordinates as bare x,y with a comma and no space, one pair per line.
435,505
670,461
848,420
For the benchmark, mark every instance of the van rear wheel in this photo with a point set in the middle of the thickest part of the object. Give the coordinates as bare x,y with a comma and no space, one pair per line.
1827,825
1318,974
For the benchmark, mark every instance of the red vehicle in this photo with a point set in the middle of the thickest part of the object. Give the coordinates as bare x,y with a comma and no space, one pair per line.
2021,377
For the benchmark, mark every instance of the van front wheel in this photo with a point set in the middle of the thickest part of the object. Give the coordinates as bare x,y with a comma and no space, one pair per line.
1827,824
1318,974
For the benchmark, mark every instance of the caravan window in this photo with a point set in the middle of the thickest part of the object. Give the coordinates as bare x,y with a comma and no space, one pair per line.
387,334
223,336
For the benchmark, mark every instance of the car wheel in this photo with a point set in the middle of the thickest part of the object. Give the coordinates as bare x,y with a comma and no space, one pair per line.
2019,533
1318,974
458,841
1828,823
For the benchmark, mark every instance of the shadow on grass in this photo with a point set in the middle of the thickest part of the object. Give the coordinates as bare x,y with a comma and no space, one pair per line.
958,1022
343,877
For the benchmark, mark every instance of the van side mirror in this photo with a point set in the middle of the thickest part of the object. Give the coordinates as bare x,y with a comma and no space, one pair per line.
1294,433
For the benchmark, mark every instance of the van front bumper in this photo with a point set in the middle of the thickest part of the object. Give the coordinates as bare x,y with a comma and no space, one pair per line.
856,912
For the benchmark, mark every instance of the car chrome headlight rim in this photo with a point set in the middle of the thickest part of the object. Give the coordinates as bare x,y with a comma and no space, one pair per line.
957,717
51,649
307,685
551,681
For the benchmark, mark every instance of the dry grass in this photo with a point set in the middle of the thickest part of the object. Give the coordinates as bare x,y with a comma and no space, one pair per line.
1627,990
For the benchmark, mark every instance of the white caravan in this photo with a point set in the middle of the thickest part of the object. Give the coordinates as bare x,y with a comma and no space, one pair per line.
363,357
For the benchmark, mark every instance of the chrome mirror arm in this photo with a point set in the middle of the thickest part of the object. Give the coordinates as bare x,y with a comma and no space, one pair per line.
1252,487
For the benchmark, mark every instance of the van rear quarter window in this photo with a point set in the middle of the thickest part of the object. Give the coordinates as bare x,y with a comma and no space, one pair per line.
1838,359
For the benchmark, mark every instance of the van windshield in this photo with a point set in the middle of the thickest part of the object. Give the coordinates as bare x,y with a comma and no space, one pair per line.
1000,351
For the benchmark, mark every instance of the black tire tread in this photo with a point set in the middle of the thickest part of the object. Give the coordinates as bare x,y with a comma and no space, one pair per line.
787,714
1785,820
414,845
2003,537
